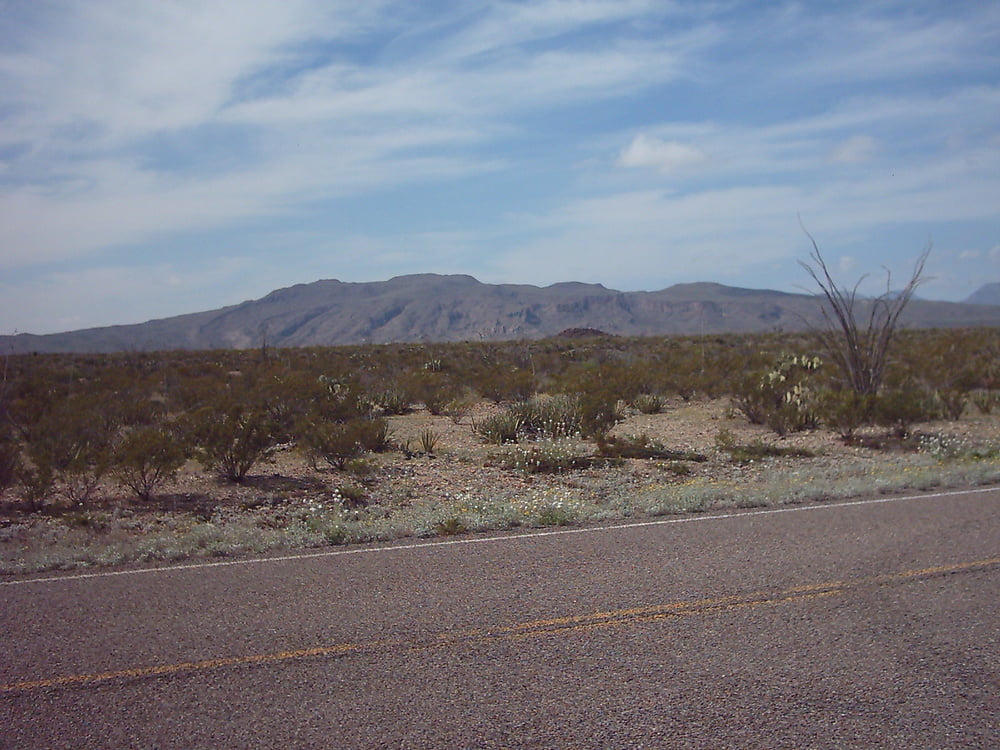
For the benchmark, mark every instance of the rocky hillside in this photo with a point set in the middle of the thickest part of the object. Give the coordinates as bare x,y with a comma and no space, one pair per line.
988,294
430,307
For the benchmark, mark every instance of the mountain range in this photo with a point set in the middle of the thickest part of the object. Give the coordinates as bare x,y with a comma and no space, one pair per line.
432,307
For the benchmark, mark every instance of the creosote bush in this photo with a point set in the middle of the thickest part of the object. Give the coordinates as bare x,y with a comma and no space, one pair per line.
61,415
146,457
337,443
69,444
231,440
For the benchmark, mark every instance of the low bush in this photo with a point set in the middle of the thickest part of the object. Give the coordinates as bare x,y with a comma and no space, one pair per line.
743,453
505,426
547,457
351,496
954,448
899,408
952,401
844,411
69,444
780,397
985,400
459,408
434,389
232,439
147,457
648,403
502,384
392,401
10,462
642,446
337,443
429,440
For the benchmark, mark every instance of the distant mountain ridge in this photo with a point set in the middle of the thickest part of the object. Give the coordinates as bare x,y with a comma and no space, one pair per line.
432,307
988,294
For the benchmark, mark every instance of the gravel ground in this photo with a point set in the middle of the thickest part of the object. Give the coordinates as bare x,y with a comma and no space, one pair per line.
462,486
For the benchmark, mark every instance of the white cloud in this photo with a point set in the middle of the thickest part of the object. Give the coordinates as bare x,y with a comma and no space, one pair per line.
108,85
129,122
664,156
633,238
855,150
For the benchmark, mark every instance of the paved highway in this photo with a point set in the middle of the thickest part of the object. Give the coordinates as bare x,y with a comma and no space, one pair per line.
865,624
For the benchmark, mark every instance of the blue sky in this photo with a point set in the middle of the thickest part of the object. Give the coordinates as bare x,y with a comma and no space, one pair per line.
165,157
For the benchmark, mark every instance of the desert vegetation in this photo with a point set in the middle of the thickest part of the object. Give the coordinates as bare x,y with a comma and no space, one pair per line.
107,459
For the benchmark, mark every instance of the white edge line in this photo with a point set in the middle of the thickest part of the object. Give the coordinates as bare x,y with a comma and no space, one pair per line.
490,539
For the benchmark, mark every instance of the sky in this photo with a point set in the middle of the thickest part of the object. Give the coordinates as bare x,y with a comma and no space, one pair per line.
159,158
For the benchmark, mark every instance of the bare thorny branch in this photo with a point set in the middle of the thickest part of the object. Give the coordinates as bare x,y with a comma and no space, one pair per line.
860,349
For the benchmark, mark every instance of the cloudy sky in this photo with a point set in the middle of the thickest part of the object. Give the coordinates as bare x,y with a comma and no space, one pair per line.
170,156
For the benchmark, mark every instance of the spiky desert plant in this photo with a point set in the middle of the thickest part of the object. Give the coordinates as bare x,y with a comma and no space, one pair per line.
858,334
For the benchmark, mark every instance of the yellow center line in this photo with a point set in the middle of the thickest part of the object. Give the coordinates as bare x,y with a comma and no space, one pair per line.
518,631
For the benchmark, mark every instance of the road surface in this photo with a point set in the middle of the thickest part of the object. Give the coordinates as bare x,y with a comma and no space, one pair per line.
863,624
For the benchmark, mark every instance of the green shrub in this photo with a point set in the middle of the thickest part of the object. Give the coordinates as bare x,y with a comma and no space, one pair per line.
678,468
954,448
351,496
900,407
434,389
599,412
642,446
986,400
601,390
393,401
232,439
780,397
744,453
450,526
10,462
844,411
952,401
648,403
336,443
147,457
505,384
459,408
547,457
503,427
69,443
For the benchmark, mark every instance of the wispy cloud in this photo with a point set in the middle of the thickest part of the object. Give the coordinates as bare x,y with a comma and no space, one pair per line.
855,150
514,139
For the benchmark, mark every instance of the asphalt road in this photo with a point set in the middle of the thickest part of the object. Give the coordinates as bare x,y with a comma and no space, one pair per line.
870,624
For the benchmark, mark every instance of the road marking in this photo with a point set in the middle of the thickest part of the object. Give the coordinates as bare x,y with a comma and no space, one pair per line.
518,631
701,518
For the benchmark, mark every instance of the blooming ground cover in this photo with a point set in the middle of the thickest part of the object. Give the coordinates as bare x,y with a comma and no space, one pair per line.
465,485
